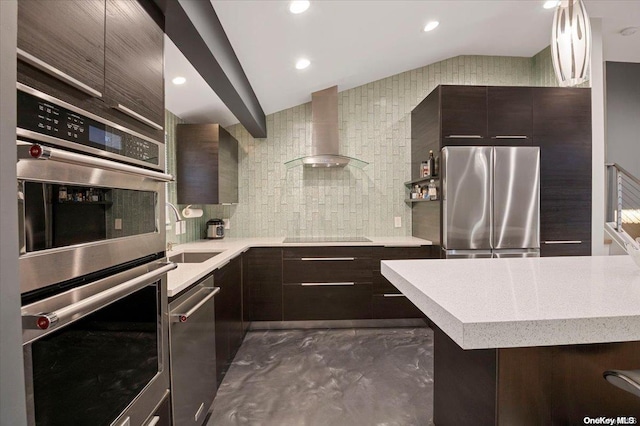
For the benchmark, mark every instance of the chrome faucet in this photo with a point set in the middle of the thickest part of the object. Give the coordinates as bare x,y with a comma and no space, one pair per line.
175,210
170,245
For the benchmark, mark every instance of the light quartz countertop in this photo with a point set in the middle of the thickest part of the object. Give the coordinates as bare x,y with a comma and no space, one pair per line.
189,273
501,303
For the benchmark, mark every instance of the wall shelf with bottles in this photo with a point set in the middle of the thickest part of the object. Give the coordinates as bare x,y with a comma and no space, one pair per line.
419,200
422,180
104,203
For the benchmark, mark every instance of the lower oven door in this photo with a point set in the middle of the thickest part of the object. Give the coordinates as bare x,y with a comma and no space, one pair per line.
80,214
98,354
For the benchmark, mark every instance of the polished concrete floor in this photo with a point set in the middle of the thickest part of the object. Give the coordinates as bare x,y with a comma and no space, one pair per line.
348,377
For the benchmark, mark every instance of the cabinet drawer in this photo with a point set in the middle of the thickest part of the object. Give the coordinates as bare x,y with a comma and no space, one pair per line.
394,253
326,264
558,248
327,302
297,253
313,271
394,305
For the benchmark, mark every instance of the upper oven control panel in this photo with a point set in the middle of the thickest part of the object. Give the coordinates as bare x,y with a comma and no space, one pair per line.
49,120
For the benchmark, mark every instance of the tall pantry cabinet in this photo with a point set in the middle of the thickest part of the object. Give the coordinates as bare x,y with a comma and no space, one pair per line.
558,120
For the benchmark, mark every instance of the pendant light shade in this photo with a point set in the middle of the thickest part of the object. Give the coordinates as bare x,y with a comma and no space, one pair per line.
571,43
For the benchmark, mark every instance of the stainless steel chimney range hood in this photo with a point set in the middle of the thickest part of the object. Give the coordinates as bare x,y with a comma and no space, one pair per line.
325,145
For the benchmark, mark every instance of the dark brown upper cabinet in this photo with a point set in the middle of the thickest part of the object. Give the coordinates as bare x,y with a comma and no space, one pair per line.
510,115
65,39
207,164
463,112
104,56
134,63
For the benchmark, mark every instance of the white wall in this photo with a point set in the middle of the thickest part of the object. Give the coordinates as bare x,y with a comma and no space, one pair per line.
12,400
623,115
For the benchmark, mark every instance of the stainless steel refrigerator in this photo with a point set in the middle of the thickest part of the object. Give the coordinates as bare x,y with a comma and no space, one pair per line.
490,202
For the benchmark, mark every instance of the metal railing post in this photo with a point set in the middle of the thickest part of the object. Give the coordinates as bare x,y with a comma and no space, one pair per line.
619,198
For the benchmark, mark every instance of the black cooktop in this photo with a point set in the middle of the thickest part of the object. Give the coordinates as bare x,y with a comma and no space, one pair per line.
326,240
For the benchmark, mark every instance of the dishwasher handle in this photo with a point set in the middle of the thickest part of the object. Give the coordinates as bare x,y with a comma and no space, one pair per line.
184,317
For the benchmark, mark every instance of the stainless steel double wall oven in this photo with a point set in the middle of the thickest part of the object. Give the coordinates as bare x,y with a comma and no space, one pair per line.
92,263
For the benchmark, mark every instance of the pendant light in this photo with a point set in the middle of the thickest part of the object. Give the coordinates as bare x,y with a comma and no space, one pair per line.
571,43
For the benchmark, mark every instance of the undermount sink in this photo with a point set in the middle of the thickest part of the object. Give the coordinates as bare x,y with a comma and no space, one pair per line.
193,256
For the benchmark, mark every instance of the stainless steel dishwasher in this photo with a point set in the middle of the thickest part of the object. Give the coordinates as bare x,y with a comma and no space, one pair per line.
193,353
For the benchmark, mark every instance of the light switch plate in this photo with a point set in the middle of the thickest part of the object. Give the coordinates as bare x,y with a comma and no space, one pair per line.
397,221
227,223
178,227
118,224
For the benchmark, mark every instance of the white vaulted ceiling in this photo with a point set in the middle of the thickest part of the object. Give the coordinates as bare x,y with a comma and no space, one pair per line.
350,43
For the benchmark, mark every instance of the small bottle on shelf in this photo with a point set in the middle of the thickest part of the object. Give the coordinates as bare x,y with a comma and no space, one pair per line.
415,192
62,193
431,162
436,166
433,190
424,169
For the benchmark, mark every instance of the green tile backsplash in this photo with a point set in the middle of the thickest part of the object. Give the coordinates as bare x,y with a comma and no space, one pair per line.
375,126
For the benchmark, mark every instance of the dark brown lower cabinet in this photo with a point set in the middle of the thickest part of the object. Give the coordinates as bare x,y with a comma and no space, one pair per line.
544,385
228,313
325,283
323,301
388,301
394,306
263,284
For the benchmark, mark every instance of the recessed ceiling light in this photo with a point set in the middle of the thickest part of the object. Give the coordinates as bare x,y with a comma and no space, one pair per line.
431,25
550,4
629,31
179,80
299,6
302,63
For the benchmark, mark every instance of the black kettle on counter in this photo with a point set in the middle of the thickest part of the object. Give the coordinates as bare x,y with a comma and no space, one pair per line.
215,229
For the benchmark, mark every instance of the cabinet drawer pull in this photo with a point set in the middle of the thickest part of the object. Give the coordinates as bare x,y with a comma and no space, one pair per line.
137,116
393,295
563,242
154,421
510,137
464,137
53,71
321,284
327,258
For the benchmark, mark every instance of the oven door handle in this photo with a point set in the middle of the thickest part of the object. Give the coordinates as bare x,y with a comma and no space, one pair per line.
40,152
45,321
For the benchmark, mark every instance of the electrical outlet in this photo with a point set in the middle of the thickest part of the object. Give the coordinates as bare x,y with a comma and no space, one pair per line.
227,223
178,227
183,228
118,224
397,221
